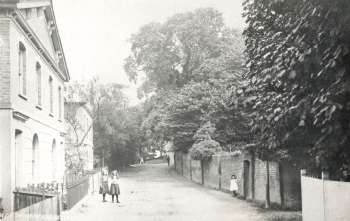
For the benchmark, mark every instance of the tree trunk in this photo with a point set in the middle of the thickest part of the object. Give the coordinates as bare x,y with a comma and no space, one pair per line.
267,202
202,170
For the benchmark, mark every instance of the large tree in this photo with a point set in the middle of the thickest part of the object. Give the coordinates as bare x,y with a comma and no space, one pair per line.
189,62
298,59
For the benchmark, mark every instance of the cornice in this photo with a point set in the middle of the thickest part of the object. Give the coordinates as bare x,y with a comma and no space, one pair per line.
20,21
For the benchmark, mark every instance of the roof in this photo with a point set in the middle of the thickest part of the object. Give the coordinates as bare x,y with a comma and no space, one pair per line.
16,5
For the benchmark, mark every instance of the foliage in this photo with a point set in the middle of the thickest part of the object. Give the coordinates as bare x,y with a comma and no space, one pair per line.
298,59
116,127
189,63
192,46
205,149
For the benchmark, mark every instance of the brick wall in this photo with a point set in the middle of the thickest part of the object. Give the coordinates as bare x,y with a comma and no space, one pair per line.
196,171
251,176
5,72
291,186
186,159
211,173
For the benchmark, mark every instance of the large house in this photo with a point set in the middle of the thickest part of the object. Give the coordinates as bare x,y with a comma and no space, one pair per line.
33,71
79,138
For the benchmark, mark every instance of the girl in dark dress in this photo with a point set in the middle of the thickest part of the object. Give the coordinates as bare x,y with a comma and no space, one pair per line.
114,188
104,185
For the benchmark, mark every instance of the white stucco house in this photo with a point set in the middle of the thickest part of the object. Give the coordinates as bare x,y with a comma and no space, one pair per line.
33,71
79,138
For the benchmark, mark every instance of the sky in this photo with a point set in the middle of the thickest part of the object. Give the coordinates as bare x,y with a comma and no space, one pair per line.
95,33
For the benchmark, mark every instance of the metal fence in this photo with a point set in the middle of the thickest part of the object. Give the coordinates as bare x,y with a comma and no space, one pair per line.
76,191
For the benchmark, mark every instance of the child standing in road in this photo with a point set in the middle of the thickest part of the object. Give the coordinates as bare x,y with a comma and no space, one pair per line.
114,188
233,185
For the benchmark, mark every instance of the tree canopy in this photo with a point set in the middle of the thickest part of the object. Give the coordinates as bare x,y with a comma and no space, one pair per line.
298,58
190,63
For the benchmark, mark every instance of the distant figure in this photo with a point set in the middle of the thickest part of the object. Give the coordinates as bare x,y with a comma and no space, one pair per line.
114,189
104,185
141,160
345,176
168,160
233,185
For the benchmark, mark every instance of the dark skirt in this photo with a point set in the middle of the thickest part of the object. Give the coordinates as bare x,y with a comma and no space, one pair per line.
104,187
114,190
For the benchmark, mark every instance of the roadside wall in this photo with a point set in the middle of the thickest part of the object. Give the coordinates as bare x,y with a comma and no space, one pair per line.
325,200
251,175
186,159
196,171
212,173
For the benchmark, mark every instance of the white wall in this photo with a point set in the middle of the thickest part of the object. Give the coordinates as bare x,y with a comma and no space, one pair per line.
325,200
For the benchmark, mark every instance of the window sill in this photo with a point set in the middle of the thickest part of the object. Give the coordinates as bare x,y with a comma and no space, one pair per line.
51,114
38,107
23,97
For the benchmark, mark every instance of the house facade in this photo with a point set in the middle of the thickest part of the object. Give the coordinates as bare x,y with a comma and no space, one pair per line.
32,75
79,138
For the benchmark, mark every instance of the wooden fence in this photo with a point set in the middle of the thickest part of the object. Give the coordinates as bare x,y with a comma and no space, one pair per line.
44,210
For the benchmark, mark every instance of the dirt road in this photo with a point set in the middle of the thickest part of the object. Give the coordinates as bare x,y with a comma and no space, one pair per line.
154,192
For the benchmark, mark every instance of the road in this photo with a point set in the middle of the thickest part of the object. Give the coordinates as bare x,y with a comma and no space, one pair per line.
154,192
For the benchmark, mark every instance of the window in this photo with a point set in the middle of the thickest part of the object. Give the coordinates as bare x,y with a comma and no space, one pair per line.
35,157
22,69
59,103
53,160
38,83
51,94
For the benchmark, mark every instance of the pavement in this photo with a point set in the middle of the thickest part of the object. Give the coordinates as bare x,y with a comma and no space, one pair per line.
155,192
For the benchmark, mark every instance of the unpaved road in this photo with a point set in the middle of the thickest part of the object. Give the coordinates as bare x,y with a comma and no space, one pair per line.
154,192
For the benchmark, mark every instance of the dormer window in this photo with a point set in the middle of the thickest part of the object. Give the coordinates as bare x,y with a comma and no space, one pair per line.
22,76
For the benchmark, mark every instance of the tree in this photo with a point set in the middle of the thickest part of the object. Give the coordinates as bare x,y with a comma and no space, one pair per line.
188,62
298,59
185,48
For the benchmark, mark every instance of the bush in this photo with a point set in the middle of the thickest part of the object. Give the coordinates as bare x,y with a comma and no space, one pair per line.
205,149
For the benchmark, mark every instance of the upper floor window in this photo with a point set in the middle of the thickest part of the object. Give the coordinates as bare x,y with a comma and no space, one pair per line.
38,82
59,103
51,94
22,60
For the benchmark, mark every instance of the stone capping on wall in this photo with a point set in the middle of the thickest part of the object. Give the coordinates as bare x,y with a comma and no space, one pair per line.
284,189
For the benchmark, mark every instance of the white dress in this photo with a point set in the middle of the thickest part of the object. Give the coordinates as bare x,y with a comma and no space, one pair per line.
233,185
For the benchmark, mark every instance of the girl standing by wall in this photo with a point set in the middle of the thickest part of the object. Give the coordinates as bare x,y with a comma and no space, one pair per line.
233,185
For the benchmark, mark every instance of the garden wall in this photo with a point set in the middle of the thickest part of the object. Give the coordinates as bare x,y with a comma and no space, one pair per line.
196,171
325,200
251,175
212,173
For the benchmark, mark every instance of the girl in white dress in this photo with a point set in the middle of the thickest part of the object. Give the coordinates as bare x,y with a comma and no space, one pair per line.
233,185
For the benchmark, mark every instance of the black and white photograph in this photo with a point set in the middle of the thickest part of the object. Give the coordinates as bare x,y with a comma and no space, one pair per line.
175,110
